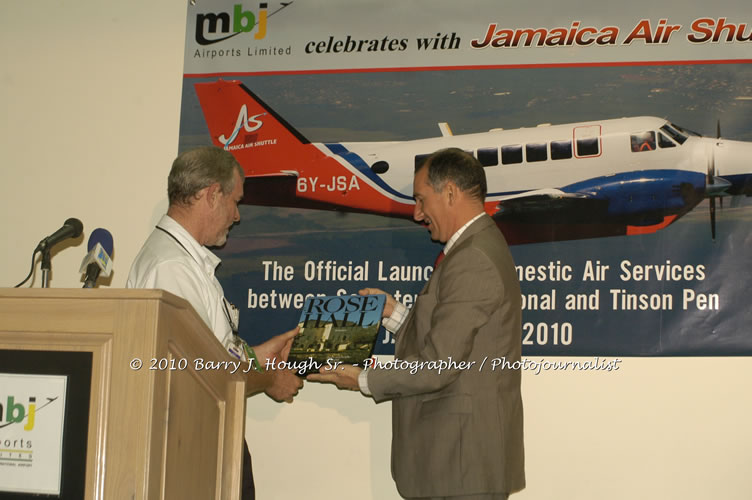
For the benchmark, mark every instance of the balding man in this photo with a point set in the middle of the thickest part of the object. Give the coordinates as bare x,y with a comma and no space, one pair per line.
204,188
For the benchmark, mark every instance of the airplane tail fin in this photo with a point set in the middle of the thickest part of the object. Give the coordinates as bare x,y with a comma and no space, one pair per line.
261,140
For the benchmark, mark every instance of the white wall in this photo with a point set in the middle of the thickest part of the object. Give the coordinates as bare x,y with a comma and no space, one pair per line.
91,98
91,102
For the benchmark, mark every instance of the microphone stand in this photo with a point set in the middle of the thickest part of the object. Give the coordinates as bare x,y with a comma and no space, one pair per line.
46,267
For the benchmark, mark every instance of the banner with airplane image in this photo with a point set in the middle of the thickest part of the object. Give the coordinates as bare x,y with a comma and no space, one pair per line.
616,143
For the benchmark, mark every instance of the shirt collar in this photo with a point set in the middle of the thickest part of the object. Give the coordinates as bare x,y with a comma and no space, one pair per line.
456,236
199,252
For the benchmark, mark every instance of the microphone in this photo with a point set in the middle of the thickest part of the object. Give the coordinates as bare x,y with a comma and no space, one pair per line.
98,260
72,228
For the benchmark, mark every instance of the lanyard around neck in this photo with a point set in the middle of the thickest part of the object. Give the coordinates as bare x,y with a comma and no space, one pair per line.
233,323
179,243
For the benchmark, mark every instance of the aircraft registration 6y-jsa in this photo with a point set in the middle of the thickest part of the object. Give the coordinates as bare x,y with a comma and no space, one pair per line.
548,183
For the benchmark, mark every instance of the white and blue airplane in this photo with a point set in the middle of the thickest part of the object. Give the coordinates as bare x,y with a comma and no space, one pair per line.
548,183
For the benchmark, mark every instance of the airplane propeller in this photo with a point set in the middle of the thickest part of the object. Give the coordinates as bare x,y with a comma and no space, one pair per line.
710,181
718,136
715,186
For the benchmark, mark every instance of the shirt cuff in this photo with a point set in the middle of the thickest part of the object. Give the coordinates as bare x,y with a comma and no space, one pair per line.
395,320
363,383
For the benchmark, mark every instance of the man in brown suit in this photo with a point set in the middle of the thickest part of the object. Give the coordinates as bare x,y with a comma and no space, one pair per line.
456,422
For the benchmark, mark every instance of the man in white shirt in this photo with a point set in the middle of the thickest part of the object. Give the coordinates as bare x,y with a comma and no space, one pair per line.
204,188
456,422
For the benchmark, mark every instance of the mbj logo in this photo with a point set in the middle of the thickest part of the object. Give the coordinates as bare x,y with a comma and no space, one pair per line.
243,21
251,124
14,413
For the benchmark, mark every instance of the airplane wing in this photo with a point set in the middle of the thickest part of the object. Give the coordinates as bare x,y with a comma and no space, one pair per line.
550,206
546,215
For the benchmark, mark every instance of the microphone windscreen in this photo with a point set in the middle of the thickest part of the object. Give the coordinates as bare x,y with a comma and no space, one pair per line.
103,237
77,225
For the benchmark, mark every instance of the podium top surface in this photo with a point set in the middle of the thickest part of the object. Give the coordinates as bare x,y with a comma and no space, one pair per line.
93,293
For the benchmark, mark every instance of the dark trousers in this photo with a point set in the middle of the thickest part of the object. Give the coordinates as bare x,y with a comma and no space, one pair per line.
247,488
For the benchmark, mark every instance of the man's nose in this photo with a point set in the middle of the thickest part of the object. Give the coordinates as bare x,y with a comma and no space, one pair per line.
418,213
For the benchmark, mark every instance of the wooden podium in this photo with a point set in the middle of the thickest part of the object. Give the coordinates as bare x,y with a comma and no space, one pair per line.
165,430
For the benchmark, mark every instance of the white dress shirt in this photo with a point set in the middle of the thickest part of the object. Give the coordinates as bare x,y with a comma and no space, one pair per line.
172,260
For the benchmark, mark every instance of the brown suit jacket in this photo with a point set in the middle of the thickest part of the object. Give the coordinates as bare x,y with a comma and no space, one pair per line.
459,431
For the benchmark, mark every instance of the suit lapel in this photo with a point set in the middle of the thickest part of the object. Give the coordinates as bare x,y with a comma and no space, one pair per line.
407,336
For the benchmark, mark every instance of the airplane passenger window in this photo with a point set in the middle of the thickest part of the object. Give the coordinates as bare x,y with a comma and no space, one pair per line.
536,152
665,142
380,167
419,159
511,154
488,157
643,141
587,147
561,150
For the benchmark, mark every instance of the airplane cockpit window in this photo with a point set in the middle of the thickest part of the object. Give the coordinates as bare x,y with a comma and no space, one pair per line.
536,152
488,157
673,133
511,154
684,130
561,150
643,141
665,142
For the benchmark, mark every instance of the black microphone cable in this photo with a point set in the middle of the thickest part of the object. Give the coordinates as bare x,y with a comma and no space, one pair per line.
31,271
72,228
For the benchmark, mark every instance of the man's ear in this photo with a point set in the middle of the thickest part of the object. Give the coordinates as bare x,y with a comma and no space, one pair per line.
452,191
212,192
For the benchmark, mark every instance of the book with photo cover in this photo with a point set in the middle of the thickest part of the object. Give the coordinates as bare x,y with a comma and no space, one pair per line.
336,330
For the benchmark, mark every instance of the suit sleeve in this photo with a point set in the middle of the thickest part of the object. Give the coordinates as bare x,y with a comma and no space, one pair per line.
469,291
